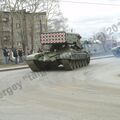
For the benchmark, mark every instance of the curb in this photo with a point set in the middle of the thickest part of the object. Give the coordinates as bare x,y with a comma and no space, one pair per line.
102,57
14,68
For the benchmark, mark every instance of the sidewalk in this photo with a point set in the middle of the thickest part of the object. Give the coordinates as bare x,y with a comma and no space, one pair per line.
9,67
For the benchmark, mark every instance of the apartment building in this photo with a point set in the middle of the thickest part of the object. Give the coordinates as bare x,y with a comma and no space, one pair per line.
21,29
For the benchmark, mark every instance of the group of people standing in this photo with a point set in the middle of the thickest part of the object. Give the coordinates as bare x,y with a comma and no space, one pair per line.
12,55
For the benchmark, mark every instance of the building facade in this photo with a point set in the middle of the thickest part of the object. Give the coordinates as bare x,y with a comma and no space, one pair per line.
21,29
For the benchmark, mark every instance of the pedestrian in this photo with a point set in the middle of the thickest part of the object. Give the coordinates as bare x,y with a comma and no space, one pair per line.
31,51
20,55
5,53
10,56
28,51
39,50
15,54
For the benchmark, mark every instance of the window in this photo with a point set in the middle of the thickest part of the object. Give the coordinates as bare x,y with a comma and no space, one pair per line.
17,25
5,19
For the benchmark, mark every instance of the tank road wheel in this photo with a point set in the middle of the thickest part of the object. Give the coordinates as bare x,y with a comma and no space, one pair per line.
40,66
68,65
45,68
88,60
77,64
80,64
53,66
72,65
85,62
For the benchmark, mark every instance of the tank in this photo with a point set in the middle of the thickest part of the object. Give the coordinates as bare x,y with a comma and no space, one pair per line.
116,51
59,49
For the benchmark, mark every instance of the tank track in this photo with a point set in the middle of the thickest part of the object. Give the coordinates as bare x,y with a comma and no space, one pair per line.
36,66
68,65
33,66
74,64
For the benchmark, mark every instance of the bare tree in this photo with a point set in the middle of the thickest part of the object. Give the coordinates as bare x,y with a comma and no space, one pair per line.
58,23
51,7
54,18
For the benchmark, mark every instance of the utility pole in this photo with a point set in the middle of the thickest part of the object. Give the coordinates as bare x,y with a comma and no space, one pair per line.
12,30
24,30
32,31
40,32
1,30
40,26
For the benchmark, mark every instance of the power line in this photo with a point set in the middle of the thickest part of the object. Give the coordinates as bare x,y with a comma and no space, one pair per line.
91,3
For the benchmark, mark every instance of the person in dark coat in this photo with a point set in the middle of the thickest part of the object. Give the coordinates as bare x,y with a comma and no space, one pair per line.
15,54
5,53
20,54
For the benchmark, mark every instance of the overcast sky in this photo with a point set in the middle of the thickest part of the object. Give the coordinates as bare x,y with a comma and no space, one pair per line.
89,18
